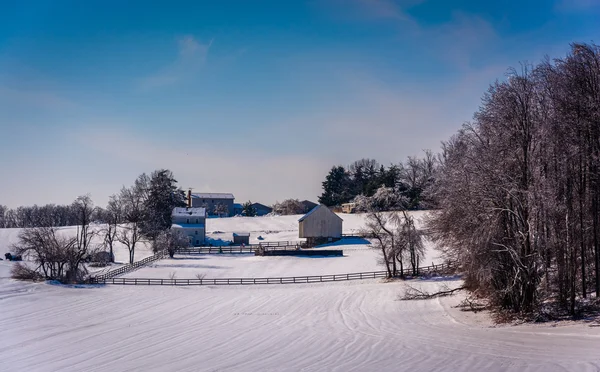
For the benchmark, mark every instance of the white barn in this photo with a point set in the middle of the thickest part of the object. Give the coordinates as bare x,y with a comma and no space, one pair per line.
192,222
319,226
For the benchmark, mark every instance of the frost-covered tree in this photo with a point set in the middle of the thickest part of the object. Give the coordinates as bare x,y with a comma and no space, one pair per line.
289,206
131,201
112,216
170,240
394,234
519,187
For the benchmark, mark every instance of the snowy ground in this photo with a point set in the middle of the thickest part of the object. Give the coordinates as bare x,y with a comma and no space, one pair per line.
342,326
358,257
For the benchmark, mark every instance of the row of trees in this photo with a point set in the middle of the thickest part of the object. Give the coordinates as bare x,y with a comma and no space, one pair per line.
37,216
141,212
364,177
519,187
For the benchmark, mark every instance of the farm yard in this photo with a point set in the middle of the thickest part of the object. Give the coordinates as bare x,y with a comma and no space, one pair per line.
349,325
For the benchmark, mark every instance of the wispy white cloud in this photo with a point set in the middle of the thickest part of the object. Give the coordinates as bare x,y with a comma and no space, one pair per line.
575,5
462,39
192,56
369,10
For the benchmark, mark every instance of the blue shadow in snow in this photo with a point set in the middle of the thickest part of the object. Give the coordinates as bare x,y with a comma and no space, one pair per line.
76,286
345,241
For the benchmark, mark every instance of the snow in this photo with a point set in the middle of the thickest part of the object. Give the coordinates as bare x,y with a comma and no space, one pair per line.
214,195
341,326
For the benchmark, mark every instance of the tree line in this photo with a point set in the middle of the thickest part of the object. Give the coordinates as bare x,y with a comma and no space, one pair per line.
363,179
518,188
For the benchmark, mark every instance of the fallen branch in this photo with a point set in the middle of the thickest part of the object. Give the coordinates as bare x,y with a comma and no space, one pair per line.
413,293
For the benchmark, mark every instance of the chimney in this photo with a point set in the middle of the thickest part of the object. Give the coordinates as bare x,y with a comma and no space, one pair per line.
189,199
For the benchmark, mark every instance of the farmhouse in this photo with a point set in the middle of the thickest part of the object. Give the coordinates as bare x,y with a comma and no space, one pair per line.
192,222
308,205
348,207
216,204
320,225
261,209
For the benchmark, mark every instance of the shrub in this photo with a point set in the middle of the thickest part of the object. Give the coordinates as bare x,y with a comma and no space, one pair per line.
22,272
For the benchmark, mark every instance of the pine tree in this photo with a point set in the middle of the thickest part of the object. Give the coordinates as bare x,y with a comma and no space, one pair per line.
162,196
248,209
336,187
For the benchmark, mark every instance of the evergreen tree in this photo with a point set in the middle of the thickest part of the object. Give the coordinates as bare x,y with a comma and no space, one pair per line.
161,197
248,209
336,187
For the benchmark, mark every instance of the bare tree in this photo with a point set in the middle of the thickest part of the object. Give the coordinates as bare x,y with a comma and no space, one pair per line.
131,201
395,235
288,206
170,241
83,209
519,187
113,215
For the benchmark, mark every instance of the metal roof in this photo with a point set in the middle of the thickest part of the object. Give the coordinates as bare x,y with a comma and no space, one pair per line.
314,209
212,195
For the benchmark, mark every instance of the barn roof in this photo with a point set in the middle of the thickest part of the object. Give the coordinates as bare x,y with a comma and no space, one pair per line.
241,234
315,209
260,205
213,195
200,212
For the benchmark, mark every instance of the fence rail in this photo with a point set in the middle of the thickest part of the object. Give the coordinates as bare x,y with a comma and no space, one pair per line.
252,281
129,267
237,249
281,245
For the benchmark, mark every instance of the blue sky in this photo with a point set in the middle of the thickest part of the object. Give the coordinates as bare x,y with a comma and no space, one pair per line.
257,98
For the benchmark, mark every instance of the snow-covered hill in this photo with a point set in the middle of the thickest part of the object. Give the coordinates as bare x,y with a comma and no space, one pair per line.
341,326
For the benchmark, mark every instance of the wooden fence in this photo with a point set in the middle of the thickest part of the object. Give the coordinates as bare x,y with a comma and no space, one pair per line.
282,245
288,246
130,267
252,281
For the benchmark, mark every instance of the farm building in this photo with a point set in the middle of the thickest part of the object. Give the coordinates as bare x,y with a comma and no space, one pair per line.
216,204
319,226
192,222
237,209
241,238
261,209
348,207
308,205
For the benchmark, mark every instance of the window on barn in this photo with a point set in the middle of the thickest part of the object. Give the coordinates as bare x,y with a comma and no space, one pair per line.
196,232
196,220
187,220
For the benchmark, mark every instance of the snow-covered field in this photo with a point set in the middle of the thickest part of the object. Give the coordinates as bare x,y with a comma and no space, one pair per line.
342,326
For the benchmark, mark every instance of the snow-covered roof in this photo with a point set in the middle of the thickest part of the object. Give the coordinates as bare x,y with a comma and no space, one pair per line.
314,209
201,212
213,195
241,234
188,226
